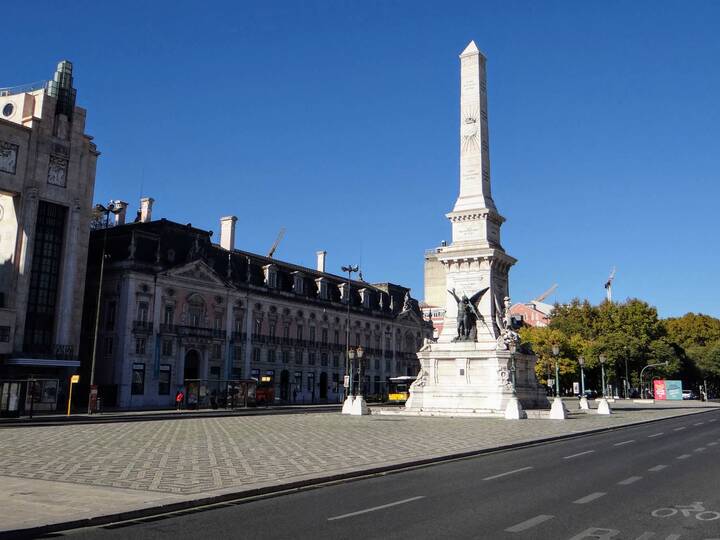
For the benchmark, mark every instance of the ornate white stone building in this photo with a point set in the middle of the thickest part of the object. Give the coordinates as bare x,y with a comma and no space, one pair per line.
178,311
47,178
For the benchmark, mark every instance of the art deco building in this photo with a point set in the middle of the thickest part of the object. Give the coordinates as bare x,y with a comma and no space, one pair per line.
47,177
179,311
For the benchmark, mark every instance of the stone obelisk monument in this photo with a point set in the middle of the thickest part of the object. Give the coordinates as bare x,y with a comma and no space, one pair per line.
469,371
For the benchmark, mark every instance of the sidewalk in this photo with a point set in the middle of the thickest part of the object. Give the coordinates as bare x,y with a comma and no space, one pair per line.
83,474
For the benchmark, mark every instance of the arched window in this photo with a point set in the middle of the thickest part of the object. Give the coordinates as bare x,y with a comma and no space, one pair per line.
196,310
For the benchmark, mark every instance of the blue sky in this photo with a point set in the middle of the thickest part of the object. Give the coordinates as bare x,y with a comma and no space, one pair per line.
339,121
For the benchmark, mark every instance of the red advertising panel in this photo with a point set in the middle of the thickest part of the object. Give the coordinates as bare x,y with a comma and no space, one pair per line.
659,389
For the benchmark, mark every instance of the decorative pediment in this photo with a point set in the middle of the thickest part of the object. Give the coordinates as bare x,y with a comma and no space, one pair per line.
197,271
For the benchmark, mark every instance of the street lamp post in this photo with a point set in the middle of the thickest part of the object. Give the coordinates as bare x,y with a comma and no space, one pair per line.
556,352
603,405
347,404
583,398
111,208
643,371
557,411
603,359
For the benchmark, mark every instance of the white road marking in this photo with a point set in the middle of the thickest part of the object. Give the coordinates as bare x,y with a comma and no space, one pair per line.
701,449
684,456
655,435
507,473
672,537
596,533
657,468
646,536
679,428
624,442
591,497
713,443
376,508
712,420
525,525
699,424
580,454
629,481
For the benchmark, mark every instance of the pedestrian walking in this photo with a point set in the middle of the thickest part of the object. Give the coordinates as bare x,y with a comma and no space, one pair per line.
179,397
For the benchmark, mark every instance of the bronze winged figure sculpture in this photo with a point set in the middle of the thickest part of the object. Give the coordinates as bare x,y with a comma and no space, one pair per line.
468,314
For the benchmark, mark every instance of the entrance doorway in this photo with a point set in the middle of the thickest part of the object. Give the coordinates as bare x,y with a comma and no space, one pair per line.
284,385
323,385
192,365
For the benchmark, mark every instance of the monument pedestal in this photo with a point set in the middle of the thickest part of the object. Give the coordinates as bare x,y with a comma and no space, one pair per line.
603,407
472,379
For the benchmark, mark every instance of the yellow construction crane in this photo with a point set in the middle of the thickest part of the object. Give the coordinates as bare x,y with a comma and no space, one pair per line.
547,293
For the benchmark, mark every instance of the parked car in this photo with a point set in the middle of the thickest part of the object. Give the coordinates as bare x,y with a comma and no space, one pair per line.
689,394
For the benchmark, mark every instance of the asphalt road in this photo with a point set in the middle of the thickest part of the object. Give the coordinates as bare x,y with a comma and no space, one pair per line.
658,481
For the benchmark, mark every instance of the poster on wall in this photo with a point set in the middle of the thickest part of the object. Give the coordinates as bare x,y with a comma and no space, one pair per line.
673,390
659,389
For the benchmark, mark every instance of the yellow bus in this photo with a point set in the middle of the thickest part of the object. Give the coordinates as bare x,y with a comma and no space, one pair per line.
399,388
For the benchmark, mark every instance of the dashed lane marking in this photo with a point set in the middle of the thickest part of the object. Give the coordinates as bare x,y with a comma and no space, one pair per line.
701,449
374,508
684,456
589,498
713,443
579,454
657,468
507,473
698,424
629,481
624,442
529,524
679,428
655,435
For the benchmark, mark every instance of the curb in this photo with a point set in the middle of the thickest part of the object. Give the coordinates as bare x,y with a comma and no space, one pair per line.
164,415
241,497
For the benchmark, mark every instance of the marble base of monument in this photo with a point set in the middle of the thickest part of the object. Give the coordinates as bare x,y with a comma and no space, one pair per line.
513,410
355,406
584,404
471,379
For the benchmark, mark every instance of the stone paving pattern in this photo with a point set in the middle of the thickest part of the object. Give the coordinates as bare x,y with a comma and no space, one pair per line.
195,456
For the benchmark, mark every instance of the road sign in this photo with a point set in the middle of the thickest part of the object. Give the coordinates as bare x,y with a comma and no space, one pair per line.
75,379
551,382
576,388
346,381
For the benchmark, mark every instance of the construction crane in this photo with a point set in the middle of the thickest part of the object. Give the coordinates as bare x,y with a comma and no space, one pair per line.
547,293
608,285
277,241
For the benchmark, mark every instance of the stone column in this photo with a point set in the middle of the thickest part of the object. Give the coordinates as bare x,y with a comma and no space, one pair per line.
27,242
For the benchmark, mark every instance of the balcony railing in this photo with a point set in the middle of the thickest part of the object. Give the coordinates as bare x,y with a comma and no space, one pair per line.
55,351
238,337
144,327
197,331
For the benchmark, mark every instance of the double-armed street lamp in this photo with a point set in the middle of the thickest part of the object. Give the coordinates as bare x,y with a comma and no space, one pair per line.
350,269
556,352
112,208
603,359
581,362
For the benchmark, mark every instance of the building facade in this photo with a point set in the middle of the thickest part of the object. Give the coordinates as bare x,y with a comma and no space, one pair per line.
47,178
178,311
532,313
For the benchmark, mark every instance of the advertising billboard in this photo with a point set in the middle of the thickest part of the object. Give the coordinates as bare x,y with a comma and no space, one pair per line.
667,390
659,389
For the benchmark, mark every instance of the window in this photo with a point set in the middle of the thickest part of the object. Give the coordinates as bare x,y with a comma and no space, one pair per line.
44,276
286,332
336,337
215,372
137,387
238,325
298,357
324,336
237,355
312,334
169,315
300,333
216,351
323,359
218,322
142,311
271,355
110,315
273,328
311,358
285,357
164,380
336,361
377,363
108,345
140,346
4,334
258,326
256,354
167,347
357,339
310,382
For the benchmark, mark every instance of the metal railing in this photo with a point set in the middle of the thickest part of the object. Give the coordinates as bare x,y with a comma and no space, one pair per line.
142,326
21,89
